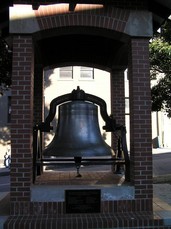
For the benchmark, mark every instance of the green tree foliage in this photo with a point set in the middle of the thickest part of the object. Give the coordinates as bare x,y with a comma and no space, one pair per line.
5,66
160,60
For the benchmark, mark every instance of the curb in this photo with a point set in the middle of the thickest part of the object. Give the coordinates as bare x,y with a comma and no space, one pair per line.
4,172
162,179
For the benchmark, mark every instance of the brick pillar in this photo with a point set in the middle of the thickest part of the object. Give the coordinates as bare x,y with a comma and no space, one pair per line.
22,123
117,101
118,96
38,94
140,119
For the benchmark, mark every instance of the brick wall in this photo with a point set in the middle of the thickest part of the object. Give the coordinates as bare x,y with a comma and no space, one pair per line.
38,94
22,120
118,96
59,16
140,118
117,101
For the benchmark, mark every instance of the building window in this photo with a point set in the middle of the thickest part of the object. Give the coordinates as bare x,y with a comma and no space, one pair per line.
86,73
76,73
66,73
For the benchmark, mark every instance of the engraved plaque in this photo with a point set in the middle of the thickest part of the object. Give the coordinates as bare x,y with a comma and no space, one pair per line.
83,201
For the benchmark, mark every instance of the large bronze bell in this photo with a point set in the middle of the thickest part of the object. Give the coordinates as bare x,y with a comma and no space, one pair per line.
78,133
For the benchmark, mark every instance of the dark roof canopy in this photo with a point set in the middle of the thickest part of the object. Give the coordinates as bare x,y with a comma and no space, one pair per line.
161,9
4,17
82,48
92,49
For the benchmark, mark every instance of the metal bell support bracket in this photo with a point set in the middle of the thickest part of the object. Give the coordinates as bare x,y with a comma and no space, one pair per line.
110,126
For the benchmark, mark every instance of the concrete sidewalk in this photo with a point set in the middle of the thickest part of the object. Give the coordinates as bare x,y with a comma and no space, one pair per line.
4,199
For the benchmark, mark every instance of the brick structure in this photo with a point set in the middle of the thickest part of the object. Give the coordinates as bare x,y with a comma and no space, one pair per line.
117,101
22,119
140,111
130,26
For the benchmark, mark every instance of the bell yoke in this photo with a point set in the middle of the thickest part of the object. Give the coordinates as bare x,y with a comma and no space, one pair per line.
77,137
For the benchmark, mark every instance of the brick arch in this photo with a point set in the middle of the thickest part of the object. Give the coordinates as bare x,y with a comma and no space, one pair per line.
56,16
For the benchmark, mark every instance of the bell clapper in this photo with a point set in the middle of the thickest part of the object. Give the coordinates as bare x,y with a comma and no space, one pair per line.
78,164
78,169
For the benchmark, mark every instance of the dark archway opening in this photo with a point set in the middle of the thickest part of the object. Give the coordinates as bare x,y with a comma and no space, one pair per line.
98,48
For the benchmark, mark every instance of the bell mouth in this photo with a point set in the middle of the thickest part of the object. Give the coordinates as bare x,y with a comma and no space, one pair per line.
84,152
